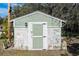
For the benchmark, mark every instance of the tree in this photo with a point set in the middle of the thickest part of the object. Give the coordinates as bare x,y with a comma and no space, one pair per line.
1,20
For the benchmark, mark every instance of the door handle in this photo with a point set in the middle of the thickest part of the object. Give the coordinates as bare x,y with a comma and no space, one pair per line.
44,36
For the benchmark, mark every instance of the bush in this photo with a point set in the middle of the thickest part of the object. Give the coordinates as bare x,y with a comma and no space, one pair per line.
3,36
5,42
73,49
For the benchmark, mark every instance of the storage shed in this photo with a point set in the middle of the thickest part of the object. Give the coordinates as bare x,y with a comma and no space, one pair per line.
37,31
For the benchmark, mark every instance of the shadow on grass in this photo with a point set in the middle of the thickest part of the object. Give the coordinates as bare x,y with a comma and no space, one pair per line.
73,49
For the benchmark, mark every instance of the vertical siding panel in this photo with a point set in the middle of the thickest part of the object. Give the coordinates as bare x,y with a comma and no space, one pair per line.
54,38
20,38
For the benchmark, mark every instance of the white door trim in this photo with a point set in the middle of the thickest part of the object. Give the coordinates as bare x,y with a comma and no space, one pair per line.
45,41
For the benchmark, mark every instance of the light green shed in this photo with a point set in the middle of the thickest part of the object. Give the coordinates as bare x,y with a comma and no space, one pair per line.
37,31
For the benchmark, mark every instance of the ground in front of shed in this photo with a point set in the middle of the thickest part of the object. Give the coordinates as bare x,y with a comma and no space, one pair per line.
32,53
11,52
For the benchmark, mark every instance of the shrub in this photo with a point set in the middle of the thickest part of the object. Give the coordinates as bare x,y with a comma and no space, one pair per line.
3,36
5,42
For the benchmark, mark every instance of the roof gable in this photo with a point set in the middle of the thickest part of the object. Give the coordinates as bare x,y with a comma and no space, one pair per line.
39,12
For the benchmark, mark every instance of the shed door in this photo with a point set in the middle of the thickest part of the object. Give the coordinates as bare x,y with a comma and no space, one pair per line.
38,34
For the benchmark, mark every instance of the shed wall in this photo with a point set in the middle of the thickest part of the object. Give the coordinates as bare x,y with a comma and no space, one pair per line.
21,38
54,38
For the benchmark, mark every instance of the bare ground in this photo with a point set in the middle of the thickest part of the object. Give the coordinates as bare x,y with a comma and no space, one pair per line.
31,53
11,52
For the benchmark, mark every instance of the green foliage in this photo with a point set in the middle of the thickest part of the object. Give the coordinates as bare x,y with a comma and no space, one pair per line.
3,36
5,42
5,26
1,20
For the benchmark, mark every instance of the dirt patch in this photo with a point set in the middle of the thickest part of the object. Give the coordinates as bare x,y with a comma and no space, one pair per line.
30,53
1,44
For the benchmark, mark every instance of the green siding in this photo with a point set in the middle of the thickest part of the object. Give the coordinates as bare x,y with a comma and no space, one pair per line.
37,42
37,30
37,17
